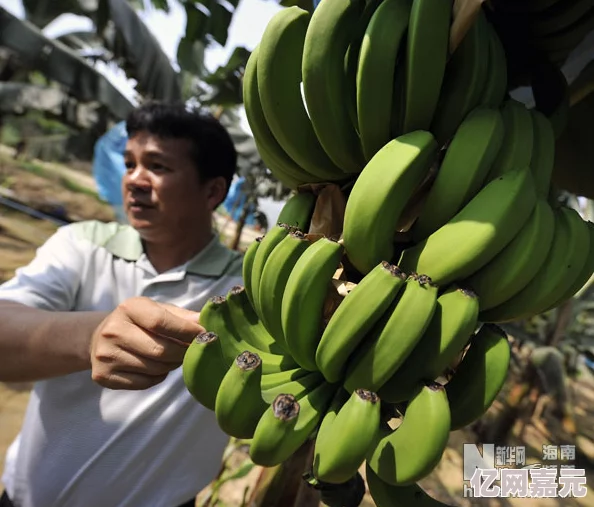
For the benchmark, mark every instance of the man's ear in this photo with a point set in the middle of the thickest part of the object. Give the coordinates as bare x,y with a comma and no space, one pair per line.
217,189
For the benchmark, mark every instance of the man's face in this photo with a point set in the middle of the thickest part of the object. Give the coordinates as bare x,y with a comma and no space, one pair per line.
163,194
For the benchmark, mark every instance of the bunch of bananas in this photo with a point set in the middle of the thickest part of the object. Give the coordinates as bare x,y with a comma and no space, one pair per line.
553,28
379,342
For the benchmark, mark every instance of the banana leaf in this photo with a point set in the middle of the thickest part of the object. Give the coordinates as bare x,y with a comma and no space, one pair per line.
134,44
43,12
59,63
226,81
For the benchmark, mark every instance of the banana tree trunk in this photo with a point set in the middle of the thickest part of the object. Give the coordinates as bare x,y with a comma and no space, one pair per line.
559,329
283,485
498,430
241,223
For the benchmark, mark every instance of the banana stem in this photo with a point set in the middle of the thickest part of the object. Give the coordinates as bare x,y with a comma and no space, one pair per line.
283,486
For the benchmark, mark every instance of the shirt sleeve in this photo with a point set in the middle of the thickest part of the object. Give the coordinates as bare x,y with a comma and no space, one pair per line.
52,279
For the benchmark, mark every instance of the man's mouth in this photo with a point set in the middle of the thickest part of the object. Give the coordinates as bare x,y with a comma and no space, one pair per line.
134,205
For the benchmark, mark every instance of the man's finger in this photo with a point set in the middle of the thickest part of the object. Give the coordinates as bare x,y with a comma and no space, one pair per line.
142,342
160,320
128,381
125,361
184,313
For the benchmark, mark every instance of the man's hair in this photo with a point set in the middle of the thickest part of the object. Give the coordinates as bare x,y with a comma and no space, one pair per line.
212,148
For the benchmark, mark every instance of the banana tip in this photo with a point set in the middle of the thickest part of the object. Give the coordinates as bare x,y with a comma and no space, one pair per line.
285,407
394,270
206,337
367,395
248,360
435,386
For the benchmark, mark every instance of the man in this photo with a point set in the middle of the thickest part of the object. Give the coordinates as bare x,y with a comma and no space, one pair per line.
101,319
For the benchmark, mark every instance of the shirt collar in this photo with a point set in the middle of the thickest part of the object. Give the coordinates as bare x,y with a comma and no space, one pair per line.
212,260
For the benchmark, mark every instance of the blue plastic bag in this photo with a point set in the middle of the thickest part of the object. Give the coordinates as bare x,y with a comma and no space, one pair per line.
108,163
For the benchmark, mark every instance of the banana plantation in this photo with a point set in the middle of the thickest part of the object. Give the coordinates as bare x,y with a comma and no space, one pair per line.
420,317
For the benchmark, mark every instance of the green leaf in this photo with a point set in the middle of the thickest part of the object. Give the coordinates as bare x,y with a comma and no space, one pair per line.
59,63
42,12
196,24
220,19
162,5
190,56
214,23
81,40
145,60
234,66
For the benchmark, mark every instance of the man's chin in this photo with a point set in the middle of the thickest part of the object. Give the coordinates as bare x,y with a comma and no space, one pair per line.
140,224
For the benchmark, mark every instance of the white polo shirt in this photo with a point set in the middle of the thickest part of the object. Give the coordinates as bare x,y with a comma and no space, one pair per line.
83,445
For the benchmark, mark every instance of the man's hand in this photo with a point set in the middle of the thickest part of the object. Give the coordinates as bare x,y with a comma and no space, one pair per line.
140,342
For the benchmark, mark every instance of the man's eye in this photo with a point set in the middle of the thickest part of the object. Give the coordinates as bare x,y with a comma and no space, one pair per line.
130,165
158,167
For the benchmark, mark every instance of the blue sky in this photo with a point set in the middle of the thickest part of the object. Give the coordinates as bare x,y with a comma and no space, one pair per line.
246,29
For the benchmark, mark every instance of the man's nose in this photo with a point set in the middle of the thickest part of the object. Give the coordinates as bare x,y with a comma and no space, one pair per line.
138,177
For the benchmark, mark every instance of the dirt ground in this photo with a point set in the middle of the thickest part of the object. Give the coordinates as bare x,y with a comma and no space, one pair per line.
20,235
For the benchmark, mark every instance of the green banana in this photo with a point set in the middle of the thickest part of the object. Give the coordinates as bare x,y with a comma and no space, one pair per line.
543,152
409,453
389,344
426,57
513,268
463,82
387,495
215,317
303,300
479,377
495,88
247,268
477,233
564,261
566,39
297,387
370,223
324,87
516,151
274,278
287,424
453,322
355,316
344,443
467,161
325,429
239,404
584,275
279,81
272,238
352,59
203,368
246,321
276,159
398,97
298,210
275,164
271,380
383,37
556,18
